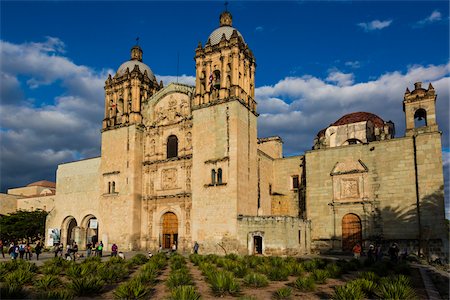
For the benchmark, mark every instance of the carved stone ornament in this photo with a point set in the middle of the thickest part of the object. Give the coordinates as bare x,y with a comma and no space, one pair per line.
169,179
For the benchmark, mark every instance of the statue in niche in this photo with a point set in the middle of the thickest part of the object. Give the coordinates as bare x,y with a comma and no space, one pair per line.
169,179
152,147
188,140
188,228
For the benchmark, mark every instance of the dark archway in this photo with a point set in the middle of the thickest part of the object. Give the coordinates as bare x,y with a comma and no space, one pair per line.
351,231
172,146
71,226
257,242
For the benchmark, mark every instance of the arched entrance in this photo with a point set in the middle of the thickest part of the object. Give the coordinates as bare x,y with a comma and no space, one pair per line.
69,231
90,227
169,230
351,231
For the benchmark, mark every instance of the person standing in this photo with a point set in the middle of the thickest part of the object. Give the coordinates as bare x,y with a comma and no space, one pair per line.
88,249
114,250
38,249
28,251
196,246
100,249
357,251
21,250
1,248
74,250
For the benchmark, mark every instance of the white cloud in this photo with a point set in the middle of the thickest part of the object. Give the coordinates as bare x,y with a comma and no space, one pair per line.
434,17
341,79
259,28
186,79
375,25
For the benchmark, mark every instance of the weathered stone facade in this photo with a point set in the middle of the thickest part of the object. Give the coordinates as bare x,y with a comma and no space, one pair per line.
181,164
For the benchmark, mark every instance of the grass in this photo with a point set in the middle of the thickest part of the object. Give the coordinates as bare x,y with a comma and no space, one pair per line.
86,286
223,282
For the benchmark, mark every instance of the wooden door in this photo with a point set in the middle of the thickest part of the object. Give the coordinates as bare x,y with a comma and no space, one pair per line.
351,231
169,229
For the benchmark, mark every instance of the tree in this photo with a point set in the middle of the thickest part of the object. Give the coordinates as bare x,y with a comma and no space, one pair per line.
19,225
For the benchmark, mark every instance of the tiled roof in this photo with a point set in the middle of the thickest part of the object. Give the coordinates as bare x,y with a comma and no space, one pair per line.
43,183
359,117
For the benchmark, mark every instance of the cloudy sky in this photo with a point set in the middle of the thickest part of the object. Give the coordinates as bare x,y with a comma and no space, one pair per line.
316,61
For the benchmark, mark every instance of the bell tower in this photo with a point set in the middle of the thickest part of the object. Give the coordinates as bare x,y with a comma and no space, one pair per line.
133,82
225,68
420,110
224,140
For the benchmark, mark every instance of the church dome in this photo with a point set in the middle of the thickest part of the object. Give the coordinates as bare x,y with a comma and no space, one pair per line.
136,60
359,117
225,28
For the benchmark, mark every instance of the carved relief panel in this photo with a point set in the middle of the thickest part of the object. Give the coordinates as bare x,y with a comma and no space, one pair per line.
350,181
169,178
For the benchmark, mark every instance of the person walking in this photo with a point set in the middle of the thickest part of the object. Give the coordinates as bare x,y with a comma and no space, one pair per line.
21,250
88,249
114,249
196,246
357,251
38,249
28,251
74,250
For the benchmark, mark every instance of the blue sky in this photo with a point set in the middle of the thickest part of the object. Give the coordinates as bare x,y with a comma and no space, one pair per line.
316,61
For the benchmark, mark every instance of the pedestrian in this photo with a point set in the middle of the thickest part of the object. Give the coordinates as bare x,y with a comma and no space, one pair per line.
357,251
393,252
68,252
114,250
74,250
28,251
56,249
21,250
100,249
196,246
88,249
1,248
38,249
174,248
12,250
371,254
379,252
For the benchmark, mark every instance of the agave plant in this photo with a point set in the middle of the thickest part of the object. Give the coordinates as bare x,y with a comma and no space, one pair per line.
112,273
320,276
74,271
279,273
139,259
395,287
296,268
367,286
12,290
19,276
240,270
283,293
58,294
184,292
51,269
223,282
86,286
369,276
133,289
348,292
178,278
47,282
305,284
256,280
333,270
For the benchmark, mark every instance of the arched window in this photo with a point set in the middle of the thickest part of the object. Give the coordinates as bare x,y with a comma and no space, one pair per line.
219,176
172,146
109,187
213,176
420,118
113,187
353,141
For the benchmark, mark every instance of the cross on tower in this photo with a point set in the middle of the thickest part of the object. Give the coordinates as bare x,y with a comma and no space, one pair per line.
137,41
226,5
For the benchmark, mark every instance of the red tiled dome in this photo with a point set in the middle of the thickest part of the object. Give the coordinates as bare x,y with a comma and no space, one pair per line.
43,183
359,117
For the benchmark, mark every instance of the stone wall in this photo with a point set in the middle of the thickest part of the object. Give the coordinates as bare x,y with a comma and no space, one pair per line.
45,203
8,203
281,235
383,196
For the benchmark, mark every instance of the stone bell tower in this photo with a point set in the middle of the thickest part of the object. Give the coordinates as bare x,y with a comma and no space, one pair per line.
420,110
124,93
224,137
122,151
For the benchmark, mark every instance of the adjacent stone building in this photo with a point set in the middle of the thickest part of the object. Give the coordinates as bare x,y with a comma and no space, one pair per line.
183,163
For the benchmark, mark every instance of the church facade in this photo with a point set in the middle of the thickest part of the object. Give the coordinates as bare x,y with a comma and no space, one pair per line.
183,163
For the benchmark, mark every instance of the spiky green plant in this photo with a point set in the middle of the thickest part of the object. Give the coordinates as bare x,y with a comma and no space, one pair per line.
12,290
19,276
320,276
56,294
296,268
264,268
240,270
73,271
112,273
139,259
310,265
232,256
47,282
369,276
133,289
348,292
305,284
247,297
178,278
334,271
196,259
283,293
256,280
51,269
86,286
395,287
223,282
279,273
367,286
184,292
